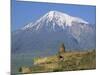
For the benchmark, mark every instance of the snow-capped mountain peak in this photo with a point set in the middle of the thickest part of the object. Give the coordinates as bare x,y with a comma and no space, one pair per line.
52,29
54,18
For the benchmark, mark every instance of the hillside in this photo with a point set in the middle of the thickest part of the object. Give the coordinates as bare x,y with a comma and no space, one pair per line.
71,61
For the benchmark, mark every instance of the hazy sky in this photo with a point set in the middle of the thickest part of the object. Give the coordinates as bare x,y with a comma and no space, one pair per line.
26,12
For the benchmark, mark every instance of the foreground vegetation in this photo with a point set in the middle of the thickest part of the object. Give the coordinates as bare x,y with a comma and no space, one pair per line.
70,61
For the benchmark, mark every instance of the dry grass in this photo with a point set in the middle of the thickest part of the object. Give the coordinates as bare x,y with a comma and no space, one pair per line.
72,61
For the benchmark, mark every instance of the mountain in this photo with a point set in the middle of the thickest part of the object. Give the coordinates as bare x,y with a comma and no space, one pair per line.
53,20
46,34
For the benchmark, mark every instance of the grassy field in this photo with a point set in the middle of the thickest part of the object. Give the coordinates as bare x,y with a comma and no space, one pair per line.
71,61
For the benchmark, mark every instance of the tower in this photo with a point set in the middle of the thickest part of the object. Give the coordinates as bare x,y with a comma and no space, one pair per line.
62,48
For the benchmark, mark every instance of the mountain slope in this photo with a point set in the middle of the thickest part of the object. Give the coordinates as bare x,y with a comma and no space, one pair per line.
46,34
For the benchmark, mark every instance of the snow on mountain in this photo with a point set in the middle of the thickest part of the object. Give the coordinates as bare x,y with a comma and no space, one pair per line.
52,29
54,18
